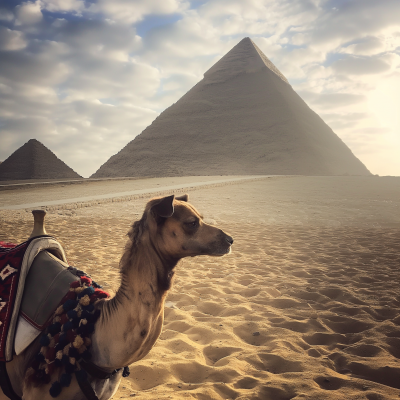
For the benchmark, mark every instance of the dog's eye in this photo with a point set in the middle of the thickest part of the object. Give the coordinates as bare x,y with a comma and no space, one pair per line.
192,224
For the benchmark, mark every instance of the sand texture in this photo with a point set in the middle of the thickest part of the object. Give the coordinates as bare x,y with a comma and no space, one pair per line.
307,306
242,118
33,160
63,195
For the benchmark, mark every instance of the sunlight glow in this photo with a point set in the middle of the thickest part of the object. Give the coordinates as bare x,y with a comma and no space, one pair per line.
384,103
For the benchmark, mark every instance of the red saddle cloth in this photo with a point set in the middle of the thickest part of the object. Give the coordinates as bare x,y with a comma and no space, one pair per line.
6,245
11,257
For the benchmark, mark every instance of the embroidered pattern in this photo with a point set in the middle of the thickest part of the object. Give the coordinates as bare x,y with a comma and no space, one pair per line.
10,264
7,271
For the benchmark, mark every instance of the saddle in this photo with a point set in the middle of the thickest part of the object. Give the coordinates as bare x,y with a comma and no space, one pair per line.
34,279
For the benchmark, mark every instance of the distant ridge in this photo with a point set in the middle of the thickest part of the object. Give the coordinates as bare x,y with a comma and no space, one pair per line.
242,118
33,160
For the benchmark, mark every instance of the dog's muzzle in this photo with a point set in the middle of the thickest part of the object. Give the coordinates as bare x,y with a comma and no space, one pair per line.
229,239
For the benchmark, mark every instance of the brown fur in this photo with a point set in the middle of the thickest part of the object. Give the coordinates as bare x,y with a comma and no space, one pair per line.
130,323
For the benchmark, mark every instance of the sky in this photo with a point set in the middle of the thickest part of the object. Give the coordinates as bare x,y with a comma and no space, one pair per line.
85,77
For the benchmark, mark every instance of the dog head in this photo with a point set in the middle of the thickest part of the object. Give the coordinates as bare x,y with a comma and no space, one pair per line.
177,230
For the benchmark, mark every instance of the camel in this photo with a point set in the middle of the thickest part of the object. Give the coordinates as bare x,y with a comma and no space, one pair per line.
131,321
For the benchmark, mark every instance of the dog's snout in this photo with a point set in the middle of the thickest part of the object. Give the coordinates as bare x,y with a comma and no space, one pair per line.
229,239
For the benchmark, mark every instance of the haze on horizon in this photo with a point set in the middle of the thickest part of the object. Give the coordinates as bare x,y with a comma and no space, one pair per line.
85,77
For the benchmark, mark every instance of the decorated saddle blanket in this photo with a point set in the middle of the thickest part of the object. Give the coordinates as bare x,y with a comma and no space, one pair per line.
34,279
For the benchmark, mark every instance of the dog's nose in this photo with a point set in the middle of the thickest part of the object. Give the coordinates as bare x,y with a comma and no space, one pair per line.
229,239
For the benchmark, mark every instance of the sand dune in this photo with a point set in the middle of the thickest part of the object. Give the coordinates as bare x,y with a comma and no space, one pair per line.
307,306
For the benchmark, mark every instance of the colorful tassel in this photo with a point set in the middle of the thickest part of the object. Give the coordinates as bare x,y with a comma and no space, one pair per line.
54,328
69,304
86,280
67,339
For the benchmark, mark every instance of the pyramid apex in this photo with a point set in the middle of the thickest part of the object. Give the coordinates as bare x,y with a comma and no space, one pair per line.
34,141
245,57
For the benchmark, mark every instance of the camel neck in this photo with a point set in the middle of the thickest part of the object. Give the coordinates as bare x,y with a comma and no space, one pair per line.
132,320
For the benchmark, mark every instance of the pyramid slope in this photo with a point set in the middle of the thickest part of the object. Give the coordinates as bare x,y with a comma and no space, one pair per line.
242,118
33,160
245,57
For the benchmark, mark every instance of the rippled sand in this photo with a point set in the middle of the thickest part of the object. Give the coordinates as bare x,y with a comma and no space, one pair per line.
307,306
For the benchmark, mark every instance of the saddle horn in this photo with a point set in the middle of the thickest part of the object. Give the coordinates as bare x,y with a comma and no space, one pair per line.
38,224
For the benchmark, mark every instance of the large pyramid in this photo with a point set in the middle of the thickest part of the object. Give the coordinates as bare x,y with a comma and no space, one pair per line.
33,160
242,118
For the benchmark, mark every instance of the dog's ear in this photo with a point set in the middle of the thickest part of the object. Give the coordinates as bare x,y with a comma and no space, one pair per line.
184,197
165,207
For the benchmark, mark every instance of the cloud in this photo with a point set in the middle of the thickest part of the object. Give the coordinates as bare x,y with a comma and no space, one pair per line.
97,37
340,23
38,69
11,40
332,100
355,65
29,13
343,121
371,131
129,11
366,46
107,129
6,15
63,5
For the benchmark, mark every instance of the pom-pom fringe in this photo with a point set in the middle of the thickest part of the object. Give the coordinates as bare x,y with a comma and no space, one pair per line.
66,340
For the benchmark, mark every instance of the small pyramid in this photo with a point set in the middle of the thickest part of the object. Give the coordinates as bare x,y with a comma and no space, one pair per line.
242,118
33,160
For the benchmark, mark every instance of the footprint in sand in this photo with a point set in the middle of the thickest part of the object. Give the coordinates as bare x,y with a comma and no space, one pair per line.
179,346
346,325
389,376
235,311
178,326
325,339
210,308
276,364
246,383
314,353
330,382
246,332
276,393
200,335
393,346
214,354
365,350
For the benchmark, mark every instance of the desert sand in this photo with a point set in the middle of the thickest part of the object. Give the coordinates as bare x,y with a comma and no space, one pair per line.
305,307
